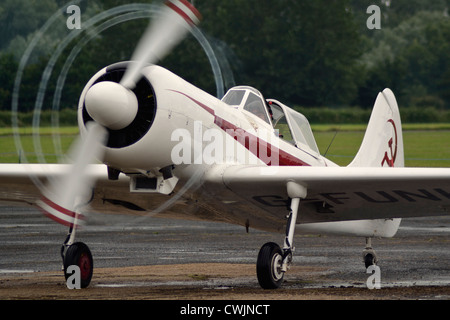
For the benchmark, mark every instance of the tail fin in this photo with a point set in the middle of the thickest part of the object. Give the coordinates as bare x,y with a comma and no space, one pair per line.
382,145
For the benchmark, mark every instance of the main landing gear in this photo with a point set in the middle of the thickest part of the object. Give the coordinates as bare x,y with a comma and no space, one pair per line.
369,255
77,254
273,261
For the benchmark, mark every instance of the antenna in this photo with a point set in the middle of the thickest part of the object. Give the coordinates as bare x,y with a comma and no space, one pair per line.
331,142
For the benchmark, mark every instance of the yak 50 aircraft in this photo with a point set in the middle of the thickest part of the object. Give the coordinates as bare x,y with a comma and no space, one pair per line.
168,147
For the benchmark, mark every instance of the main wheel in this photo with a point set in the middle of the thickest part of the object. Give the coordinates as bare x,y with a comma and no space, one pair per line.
268,266
369,260
79,254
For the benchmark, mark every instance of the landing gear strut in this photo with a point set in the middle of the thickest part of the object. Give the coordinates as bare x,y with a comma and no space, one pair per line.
77,254
369,255
273,262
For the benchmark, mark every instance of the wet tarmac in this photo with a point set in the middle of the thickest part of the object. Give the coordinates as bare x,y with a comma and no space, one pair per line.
219,256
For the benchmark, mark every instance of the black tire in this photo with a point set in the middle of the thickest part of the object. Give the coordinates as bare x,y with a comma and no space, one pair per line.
369,260
268,266
79,254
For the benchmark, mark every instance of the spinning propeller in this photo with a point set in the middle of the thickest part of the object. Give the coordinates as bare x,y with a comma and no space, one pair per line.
114,106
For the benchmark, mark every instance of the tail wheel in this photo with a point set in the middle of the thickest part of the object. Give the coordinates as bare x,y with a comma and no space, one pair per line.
268,266
79,254
369,259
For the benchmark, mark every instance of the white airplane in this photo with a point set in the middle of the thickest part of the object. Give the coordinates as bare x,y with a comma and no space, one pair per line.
171,149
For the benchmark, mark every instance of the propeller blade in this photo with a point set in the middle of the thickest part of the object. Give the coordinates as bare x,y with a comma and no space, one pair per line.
66,194
171,25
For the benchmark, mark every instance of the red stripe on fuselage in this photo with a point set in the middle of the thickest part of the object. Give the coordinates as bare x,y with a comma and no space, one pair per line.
240,135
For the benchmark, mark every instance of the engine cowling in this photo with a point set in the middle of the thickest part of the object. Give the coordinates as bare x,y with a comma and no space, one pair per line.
165,104
145,114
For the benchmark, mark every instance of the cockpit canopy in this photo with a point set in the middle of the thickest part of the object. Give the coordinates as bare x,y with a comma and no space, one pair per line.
249,99
290,125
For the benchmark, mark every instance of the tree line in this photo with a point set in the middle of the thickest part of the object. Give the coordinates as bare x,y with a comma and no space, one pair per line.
304,53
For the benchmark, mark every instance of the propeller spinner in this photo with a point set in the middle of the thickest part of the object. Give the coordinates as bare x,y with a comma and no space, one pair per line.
111,105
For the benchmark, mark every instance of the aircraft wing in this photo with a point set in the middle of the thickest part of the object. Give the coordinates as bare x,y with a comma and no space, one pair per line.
257,193
23,185
344,193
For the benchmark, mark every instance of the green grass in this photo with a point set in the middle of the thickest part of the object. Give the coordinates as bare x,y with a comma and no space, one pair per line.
344,146
47,139
8,131
362,127
423,148
430,145
426,145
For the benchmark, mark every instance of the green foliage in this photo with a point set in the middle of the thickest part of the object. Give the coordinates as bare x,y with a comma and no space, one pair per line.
8,67
19,18
412,59
65,117
340,116
325,115
320,115
300,52
308,53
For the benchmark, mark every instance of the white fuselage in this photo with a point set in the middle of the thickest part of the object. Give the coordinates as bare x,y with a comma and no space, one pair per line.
195,134
182,106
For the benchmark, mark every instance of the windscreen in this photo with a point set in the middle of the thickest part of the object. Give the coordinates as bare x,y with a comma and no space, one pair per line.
255,105
234,97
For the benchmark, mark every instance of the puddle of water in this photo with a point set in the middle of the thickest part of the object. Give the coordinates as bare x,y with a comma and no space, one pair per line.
15,271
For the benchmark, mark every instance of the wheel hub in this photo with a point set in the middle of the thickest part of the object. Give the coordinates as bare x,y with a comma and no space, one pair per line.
85,265
277,262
